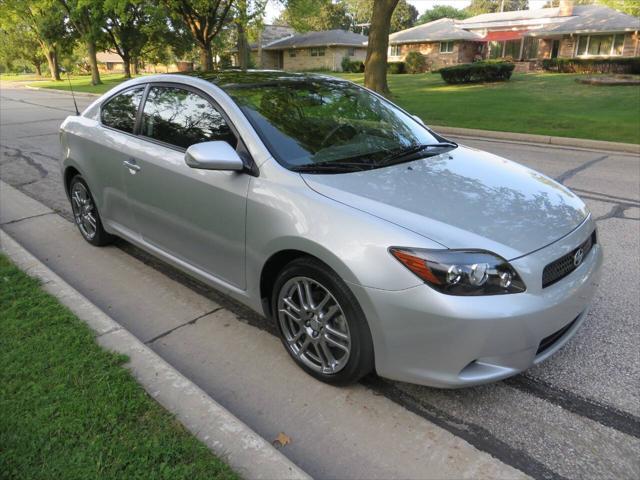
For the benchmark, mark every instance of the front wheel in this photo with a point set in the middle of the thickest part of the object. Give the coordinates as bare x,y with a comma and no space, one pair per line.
321,323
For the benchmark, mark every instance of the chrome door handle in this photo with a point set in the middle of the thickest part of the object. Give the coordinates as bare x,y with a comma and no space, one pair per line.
132,166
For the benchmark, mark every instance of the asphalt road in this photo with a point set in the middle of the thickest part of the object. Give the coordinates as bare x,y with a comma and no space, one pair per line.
575,416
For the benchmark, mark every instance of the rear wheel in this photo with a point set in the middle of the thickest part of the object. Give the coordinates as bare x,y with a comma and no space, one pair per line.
321,323
85,213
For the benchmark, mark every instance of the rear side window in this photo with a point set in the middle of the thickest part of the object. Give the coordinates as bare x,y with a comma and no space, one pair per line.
120,112
182,118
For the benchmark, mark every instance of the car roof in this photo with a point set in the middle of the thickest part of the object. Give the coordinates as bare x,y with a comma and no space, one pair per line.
231,78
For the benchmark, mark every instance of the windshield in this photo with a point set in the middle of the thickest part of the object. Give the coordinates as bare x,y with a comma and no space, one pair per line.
329,123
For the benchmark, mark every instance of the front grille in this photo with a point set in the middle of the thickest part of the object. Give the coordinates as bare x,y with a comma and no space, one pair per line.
548,342
560,268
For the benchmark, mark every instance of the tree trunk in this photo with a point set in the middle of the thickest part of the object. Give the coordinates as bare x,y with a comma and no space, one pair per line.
206,58
52,61
243,48
38,67
93,62
375,70
136,66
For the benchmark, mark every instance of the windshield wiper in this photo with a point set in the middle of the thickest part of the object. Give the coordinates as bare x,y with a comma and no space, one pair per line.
414,152
332,167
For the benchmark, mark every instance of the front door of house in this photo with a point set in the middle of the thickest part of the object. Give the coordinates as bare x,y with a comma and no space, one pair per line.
554,48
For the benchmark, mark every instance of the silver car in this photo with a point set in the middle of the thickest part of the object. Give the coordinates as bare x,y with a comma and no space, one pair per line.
371,241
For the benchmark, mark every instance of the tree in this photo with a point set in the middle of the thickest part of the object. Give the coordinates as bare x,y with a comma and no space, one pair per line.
124,25
45,22
478,7
441,11
247,13
375,72
204,19
87,18
315,15
630,7
403,17
19,46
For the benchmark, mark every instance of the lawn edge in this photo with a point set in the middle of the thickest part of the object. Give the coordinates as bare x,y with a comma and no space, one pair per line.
527,138
247,453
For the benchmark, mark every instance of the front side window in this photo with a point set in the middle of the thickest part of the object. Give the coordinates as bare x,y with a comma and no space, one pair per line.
120,111
292,52
446,47
351,51
600,44
183,118
512,49
317,52
495,49
395,51
318,121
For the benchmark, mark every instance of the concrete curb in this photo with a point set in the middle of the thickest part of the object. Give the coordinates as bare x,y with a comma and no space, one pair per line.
488,134
540,139
246,452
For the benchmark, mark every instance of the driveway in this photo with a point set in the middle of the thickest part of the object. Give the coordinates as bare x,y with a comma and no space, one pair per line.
575,416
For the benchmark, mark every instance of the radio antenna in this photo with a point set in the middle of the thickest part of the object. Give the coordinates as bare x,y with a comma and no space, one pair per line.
71,88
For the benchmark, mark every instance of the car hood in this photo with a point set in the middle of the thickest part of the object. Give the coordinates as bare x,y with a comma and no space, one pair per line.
465,198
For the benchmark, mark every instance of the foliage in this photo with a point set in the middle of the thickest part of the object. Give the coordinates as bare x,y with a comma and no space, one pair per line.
630,7
415,62
486,71
478,7
592,65
315,15
404,16
19,49
442,11
353,66
396,67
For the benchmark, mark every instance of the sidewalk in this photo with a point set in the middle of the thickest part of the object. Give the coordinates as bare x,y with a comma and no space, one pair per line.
335,432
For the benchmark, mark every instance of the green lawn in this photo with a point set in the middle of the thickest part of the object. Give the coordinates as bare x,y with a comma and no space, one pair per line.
82,83
69,409
545,104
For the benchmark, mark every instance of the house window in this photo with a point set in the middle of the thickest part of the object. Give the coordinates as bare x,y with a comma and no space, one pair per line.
292,52
531,48
317,52
512,49
446,47
495,49
351,51
600,45
394,51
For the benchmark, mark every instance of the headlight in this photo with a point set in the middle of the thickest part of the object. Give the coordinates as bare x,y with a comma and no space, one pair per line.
461,272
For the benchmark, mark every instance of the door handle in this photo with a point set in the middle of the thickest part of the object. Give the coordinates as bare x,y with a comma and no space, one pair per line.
132,166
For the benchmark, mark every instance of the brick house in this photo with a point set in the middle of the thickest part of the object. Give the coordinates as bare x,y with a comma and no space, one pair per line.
314,51
442,42
526,35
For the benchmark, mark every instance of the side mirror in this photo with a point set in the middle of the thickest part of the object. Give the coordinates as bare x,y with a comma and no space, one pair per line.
216,155
419,120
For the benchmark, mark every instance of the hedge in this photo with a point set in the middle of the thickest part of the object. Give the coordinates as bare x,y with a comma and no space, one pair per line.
396,67
592,65
486,71
355,66
415,62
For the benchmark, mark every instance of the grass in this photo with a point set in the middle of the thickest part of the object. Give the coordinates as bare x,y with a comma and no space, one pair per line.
544,104
69,409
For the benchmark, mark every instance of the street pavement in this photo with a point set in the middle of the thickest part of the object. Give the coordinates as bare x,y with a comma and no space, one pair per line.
575,416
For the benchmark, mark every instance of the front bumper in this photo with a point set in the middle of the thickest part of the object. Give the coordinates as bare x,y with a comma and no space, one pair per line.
424,337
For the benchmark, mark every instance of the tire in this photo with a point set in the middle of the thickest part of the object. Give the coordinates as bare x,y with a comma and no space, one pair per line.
322,323
85,213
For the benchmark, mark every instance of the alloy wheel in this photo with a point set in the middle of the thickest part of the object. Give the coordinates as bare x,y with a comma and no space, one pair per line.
314,325
83,210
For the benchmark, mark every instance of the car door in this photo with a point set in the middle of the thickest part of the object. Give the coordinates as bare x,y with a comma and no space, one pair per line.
195,215
109,146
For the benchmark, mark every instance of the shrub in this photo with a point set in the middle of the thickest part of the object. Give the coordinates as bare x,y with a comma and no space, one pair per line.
488,71
592,65
355,66
396,67
415,62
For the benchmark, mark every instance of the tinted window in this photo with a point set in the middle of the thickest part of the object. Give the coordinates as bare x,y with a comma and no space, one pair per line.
182,118
306,122
120,111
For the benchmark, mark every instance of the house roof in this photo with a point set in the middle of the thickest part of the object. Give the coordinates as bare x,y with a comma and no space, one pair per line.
438,30
592,18
109,57
325,38
514,16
